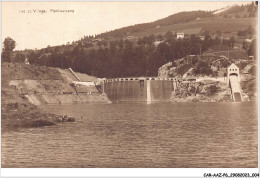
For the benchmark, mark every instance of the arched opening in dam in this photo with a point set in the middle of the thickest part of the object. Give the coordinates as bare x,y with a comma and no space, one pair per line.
233,74
145,90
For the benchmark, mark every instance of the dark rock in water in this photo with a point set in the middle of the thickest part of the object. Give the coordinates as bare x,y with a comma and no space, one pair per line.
71,119
59,119
65,118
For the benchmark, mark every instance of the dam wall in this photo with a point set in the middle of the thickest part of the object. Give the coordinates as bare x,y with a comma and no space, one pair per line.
139,90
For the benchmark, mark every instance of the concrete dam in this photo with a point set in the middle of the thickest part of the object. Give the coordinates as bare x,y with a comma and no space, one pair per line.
154,89
139,89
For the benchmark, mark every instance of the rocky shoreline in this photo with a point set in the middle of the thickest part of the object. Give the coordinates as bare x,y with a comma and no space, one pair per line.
26,86
26,115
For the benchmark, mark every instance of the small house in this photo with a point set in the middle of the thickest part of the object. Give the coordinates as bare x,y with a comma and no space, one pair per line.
202,38
26,61
180,35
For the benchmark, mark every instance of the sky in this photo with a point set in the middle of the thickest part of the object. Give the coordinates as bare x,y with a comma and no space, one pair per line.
23,22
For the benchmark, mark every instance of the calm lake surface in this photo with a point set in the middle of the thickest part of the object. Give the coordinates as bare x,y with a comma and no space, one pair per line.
170,135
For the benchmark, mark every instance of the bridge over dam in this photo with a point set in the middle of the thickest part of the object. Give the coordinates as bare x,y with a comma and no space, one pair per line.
140,89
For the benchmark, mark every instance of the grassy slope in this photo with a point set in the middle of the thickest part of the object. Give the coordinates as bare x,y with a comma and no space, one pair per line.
211,24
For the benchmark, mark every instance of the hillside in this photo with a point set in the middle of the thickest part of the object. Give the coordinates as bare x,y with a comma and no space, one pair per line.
249,10
207,21
213,69
141,49
210,24
181,17
24,87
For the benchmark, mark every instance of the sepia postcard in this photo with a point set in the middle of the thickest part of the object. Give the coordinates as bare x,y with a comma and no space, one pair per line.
124,84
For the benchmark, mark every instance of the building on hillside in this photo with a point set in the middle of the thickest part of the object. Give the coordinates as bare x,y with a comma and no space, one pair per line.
26,61
129,37
233,70
202,37
248,42
97,39
250,57
180,35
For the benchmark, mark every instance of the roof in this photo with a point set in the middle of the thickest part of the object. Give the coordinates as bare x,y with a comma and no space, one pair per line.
233,66
249,40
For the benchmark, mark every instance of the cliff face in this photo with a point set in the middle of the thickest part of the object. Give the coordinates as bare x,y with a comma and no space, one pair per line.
206,91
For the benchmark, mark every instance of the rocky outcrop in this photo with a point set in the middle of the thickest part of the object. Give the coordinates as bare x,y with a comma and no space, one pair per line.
205,91
164,71
209,66
248,81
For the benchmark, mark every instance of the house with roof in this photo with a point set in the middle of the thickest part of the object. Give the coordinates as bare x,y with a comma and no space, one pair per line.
180,35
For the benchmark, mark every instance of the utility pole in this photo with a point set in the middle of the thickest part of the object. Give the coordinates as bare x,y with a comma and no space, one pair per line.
228,52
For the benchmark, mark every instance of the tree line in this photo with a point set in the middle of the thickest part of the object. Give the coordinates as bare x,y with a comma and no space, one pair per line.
119,58
124,58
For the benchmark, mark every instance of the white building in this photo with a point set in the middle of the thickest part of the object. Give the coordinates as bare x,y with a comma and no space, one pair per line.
232,70
26,61
180,35
202,37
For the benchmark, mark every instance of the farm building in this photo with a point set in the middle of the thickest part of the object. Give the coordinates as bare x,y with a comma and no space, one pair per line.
180,35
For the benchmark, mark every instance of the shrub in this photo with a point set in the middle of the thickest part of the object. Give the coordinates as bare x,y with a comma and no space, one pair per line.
203,68
211,90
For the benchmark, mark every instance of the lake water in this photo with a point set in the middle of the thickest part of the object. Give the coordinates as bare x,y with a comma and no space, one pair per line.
173,135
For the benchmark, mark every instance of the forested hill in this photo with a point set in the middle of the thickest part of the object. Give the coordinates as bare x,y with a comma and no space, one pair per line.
141,49
170,20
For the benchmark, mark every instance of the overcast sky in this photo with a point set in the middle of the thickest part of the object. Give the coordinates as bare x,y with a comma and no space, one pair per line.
37,30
